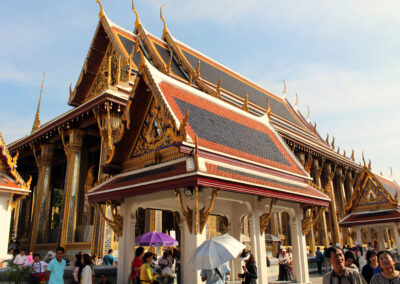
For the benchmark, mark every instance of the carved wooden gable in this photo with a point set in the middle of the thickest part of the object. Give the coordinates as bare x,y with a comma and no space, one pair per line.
112,71
373,197
157,130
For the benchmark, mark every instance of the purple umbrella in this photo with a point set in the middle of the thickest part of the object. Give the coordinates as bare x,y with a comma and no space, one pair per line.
155,239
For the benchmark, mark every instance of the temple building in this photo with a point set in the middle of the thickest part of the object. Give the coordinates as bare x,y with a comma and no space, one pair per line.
13,188
373,212
162,137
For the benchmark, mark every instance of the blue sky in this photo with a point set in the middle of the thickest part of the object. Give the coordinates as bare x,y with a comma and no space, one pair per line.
341,57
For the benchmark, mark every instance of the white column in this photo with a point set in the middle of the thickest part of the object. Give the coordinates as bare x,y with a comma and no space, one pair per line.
369,236
5,217
126,243
300,261
358,234
396,235
381,238
258,244
235,231
189,244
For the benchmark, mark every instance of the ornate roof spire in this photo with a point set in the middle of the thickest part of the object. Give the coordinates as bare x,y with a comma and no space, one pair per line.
283,96
296,105
327,138
369,164
246,103
219,86
391,172
162,19
352,155
308,114
101,13
315,128
36,123
333,143
137,23
363,159
268,113
198,69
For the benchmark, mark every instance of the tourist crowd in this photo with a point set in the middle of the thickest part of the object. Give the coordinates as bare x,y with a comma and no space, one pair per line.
355,266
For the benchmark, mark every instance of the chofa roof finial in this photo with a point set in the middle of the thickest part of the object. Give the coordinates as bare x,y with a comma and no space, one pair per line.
162,19
284,90
101,13
268,113
296,105
137,23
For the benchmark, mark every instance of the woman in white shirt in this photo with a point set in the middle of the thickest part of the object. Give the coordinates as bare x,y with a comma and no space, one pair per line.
86,276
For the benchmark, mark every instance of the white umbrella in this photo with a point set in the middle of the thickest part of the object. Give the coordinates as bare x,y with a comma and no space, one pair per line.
215,252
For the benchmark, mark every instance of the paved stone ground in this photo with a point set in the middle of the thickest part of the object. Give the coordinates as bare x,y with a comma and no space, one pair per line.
315,279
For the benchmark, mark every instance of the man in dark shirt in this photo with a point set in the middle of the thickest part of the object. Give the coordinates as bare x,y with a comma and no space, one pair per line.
319,258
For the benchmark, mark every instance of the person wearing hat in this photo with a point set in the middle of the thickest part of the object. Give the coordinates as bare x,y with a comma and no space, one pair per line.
217,275
249,274
285,273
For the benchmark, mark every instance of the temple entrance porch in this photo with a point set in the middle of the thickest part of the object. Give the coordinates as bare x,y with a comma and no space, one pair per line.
232,206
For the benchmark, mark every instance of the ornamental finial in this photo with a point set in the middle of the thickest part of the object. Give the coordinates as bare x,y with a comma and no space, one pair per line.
198,69
101,13
308,114
162,19
268,110
137,23
352,155
327,138
315,128
333,143
245,106
36,123
219,86
391,172
284,90
296,105
363,159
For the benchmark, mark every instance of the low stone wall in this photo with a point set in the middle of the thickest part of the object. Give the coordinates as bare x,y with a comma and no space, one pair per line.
108,270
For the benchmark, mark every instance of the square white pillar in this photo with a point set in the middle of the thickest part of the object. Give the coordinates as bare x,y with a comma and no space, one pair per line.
300,261
5,219
189,244
381,238
397,236
258,245
126,244
358,234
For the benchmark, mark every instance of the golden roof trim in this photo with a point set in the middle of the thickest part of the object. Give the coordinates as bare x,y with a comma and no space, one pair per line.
11,162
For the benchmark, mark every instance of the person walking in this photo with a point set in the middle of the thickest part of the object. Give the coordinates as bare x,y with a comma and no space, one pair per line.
38,268
340,273
108,259
350,260
87,272
77,272
372,266
319,258
215,276
146,272
136,265
250,270
55,270
284,268
388,275
21,259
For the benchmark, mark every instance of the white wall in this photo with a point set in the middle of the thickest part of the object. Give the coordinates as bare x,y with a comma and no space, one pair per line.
5,219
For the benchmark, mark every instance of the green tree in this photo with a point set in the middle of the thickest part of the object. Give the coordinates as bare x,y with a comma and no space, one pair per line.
16,273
